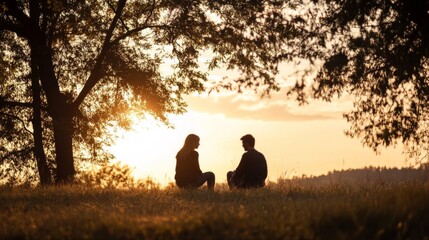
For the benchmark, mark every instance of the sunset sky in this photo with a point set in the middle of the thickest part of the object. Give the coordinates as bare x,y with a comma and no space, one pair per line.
295,140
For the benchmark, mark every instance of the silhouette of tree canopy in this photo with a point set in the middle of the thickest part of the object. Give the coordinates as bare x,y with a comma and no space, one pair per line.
71,69
378,53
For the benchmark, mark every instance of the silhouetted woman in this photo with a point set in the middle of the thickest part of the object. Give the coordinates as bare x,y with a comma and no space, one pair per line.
188,172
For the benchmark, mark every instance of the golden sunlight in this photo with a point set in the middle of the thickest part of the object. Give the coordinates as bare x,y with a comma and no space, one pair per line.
292,148
150,148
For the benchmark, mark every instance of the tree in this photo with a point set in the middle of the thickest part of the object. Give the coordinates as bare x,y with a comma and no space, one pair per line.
377,52
70,69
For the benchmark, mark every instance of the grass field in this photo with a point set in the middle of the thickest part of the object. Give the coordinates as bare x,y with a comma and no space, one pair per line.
279,211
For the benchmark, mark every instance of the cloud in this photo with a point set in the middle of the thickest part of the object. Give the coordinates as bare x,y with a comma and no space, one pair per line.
276,108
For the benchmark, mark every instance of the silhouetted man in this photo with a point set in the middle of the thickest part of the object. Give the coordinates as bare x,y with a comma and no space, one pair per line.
252,170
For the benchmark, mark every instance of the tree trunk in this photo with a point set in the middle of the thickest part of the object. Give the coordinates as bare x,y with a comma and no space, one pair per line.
39,152
58,109
63,131
62,115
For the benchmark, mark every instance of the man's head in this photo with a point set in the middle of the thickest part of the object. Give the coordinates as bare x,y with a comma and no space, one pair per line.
248,141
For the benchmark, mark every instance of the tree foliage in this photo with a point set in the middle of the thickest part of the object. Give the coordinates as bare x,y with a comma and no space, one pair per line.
377,52
72,70
69,70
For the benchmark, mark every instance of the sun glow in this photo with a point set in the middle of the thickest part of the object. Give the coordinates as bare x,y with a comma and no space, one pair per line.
292,148
150,147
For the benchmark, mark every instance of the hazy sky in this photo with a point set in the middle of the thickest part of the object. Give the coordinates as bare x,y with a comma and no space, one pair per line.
295,140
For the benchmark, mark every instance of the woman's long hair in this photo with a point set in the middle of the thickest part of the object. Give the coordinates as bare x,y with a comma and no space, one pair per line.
188,145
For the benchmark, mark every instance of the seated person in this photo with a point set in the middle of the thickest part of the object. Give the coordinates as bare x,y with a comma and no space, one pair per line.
188,172
252,170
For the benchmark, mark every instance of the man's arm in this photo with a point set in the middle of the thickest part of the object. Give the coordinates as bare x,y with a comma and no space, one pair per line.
265,168
241,169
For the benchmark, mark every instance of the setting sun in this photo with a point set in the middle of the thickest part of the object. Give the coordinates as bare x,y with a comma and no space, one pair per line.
292,148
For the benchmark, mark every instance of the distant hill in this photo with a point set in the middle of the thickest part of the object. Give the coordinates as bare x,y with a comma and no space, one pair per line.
363,176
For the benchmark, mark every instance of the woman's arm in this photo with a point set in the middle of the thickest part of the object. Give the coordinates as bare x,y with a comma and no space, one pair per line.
196,164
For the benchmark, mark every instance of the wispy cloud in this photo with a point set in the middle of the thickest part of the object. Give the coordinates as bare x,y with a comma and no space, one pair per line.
276,108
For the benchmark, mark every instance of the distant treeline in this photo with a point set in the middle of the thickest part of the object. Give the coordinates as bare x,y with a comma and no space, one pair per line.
378,175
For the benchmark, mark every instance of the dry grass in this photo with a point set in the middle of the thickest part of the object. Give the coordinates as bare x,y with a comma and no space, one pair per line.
280,211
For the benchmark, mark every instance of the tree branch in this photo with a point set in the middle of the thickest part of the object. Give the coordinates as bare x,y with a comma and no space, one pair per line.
120,19
135,30
19,119
8,26
15,153
95,74
11,104
132,31
4,104
14,11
